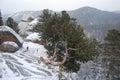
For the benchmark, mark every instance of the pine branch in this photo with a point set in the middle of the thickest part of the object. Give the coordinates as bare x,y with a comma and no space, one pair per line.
52,62
72,49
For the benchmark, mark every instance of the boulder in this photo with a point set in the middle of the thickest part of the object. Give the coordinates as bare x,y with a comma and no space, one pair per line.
9,46
7,34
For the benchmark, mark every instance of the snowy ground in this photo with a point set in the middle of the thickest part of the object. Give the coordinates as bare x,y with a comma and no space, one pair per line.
25,64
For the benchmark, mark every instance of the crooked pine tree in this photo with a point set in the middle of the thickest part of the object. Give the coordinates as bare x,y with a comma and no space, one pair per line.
65,41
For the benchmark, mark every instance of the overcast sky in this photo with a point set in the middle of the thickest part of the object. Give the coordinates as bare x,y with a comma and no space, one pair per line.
10,6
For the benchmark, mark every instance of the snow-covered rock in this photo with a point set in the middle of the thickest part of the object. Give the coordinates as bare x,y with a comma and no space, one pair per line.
33,37
9,46
27,16
10,43
25,26
6,28
34,22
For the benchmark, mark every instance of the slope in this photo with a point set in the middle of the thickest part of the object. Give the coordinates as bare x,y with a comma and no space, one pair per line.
25,64
92,16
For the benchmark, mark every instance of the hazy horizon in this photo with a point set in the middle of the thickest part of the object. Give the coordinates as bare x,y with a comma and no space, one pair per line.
12,6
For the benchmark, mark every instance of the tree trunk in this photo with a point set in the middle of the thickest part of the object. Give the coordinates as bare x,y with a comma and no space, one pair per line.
52,62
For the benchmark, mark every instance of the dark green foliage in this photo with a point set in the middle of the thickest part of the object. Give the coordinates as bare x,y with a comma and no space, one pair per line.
113,41
11,23
113,37
1,21
112,48
30,18
71,65
70,38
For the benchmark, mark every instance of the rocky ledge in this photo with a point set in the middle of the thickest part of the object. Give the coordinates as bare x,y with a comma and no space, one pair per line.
10,41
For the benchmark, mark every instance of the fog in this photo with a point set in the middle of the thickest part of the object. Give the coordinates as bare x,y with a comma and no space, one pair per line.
10,6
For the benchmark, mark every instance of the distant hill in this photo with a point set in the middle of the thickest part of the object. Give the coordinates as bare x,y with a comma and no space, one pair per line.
19,15
92,16
117,11
85,16
95,22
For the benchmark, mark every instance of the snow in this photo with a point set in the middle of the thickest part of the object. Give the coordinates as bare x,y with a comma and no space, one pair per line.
10,43
26,26
92,70
6,28
35,49
16,15
25,64
33,37
23,28
34,22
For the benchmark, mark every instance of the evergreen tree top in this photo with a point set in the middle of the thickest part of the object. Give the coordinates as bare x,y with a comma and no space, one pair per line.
1,21
0,12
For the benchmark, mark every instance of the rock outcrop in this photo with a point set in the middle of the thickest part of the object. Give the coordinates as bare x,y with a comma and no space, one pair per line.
9,47
8,35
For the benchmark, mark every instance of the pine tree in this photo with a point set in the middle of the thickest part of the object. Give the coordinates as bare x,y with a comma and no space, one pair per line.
65,41
112,48
30,18
11,23
1,21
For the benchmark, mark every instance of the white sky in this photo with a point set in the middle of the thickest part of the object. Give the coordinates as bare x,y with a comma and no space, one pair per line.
9,6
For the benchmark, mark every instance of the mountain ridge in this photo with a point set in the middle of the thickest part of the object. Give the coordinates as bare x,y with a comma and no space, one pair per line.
73,13
95,22
92,16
